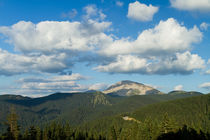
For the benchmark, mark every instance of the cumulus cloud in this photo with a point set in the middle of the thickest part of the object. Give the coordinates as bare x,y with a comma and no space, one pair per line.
181,63
205,85
119,3
191,5
165,38
54,47
53,36
178,87
93,12
49,46
42,86
124,64
204,26
141,12
52,84
12,64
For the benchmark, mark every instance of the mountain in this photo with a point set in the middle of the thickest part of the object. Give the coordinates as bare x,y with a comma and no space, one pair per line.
181,92
75,108
99,116
129,88
193,111
184,115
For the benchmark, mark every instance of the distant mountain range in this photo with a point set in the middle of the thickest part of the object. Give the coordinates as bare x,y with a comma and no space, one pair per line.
94,110
130,88
78,108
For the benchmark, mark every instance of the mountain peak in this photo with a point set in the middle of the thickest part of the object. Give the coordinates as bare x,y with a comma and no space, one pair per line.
127,82
129,88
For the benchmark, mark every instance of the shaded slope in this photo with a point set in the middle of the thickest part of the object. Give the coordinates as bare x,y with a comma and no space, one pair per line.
75,108
194,111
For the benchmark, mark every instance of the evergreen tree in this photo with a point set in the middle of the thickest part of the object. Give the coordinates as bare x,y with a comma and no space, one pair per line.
13,128
168,124
113,135
39,133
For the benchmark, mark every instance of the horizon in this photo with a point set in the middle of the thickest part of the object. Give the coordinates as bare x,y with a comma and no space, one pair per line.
65,46
95,91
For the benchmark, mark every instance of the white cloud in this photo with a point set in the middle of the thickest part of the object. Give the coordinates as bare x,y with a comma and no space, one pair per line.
53,47
205,85
207,72
124,64
53,36
167,37
119,3
58,78
71,14
208,61
42,86
204,26
191,5
93,12
49,46
98,86
181,63
141,12
12,64
73,77
178,87
52,84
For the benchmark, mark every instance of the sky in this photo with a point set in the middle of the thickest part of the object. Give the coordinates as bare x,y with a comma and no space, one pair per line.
49,46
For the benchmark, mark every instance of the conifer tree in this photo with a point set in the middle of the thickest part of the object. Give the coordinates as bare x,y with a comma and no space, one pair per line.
168,124
12,123
113,135
32,133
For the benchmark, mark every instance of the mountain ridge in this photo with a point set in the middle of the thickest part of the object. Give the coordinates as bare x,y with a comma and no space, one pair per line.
75,108
129,88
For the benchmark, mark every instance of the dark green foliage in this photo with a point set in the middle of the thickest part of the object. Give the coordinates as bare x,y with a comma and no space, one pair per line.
75,108
95,116
184,134
167,124
13,128
193,111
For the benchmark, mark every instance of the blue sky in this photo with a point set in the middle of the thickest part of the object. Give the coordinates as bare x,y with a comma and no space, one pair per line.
48,46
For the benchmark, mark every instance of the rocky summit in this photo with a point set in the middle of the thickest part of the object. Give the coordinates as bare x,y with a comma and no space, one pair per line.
129,88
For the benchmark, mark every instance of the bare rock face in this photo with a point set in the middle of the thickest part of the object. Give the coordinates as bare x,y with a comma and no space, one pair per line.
129,88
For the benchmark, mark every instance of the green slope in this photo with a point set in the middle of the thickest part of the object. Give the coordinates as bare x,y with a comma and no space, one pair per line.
188,109
193,111
150,119
76,108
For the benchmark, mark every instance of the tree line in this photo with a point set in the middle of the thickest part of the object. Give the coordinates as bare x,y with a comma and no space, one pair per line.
148,129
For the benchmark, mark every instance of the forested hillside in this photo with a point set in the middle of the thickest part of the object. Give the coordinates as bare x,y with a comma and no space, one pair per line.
75,108
189,117
99,116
